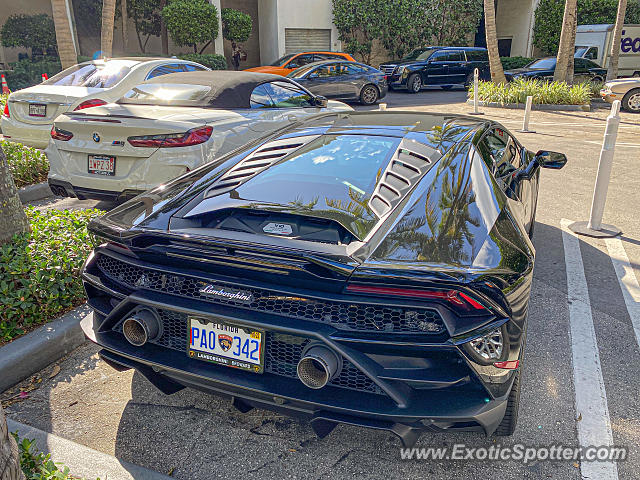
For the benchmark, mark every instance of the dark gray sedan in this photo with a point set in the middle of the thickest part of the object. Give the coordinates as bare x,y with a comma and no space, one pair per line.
343,80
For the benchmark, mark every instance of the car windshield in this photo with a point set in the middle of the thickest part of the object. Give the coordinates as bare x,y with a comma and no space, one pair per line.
92,75
420,54
166,94
543,64
282,60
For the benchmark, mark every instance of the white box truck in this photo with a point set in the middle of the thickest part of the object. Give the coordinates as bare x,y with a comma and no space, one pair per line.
594,43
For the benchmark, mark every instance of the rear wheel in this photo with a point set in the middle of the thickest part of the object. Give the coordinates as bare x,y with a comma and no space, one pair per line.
510,420
631,101
369,95
414,83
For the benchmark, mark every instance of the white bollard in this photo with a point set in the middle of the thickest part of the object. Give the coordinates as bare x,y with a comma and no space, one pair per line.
527,115
604,167
476,76
382,106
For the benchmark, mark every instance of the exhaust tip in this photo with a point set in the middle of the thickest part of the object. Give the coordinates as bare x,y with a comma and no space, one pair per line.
318,366
141,327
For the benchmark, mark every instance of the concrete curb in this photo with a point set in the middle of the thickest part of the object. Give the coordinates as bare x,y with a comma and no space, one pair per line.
31,193
543,107
83,462
31,353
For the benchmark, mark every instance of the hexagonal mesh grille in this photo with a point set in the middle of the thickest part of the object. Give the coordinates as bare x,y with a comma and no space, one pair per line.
342,315
282,352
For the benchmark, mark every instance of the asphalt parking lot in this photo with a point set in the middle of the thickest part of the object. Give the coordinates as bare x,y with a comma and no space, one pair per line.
580,371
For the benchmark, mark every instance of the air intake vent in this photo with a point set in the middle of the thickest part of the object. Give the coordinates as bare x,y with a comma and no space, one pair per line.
411,161
255,163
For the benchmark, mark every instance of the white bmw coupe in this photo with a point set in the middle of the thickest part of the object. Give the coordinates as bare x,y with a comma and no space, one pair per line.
29,113
168,126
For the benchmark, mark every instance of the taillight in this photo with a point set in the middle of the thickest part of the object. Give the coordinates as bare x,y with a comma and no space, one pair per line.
59,134
93,102
195,136
6,110
460,301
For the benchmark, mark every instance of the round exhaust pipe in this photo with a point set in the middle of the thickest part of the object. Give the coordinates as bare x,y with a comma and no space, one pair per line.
140,327
318,366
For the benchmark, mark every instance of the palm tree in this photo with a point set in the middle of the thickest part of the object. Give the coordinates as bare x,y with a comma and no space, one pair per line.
125,22
495,65
612,71
566,48
106,33
64,37
9,456
12,217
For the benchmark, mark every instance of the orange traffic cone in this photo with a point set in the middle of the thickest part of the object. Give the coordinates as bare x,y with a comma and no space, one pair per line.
5,87
44,77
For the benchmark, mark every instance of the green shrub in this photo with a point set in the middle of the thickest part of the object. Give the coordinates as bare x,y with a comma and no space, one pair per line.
39,271
191,22
236,25
27,72
37,465
211,60
3,101
36,32
509,63
553,93
27,165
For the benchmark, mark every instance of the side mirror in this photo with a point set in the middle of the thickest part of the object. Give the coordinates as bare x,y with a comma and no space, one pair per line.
552,160
320,101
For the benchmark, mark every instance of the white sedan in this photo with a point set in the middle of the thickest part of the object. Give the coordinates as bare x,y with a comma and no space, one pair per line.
29,113
168,126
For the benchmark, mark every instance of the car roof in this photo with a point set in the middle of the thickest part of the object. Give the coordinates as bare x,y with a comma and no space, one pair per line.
137,60
323,52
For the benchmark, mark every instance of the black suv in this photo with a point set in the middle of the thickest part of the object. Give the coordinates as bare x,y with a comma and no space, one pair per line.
443,66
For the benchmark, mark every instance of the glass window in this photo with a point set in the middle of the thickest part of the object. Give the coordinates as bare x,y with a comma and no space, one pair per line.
477,55
325,56
420,54
164,93
193,68
592,53
501,153
282,60
279,95
355,69
543,64
300,61
92,75
329,70
166,69
260,97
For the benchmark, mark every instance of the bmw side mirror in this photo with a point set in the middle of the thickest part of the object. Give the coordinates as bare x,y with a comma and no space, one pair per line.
320,101
552,160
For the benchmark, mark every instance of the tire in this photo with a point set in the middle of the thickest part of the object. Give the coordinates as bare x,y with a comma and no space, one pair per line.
631,101
446,87
414,83
510,419
369,94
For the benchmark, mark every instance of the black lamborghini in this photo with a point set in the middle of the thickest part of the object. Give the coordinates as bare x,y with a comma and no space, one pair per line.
369,268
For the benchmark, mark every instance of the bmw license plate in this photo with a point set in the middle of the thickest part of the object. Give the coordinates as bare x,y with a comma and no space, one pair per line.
37,110
102,165
225,344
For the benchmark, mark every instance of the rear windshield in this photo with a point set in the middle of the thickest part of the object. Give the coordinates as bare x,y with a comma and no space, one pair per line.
166,94
89,75
543,64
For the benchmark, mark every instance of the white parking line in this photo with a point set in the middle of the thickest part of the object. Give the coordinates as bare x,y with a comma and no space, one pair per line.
618,144
628,281
593,425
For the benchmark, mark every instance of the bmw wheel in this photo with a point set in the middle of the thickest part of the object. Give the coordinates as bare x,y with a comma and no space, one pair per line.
631,101
414,83
369,95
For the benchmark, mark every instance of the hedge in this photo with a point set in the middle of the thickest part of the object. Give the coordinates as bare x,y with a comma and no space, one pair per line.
27,72
211,60
27,165
554,93
510,63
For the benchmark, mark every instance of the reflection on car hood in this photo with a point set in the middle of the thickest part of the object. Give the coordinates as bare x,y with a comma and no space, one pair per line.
53,93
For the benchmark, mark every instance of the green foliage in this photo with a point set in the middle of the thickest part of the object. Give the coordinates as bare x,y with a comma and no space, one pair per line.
88,15
509,63
191,22
548,19
211,60
27,165
3,101
146,18
36,32
38,466
236,25
27,72
39,271
554,93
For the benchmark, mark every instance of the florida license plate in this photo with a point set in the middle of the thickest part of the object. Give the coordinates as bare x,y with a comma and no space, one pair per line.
102,165
37,110
225,344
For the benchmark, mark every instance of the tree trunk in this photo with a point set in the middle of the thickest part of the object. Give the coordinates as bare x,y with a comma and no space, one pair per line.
64,38
164,36
495,65
125,24
566,47
9,456
106,33
612,71
12,217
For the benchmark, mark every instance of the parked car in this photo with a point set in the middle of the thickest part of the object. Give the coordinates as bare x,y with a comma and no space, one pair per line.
167,126
371,268
442,66
29,113
543,68
343,80
627,90
593,42
287,64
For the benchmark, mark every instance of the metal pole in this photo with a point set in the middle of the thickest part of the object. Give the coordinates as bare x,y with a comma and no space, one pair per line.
604,167
476,76
527,114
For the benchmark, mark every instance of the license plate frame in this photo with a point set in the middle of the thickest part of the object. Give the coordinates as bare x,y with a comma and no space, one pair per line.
38,110
98,168
230,336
